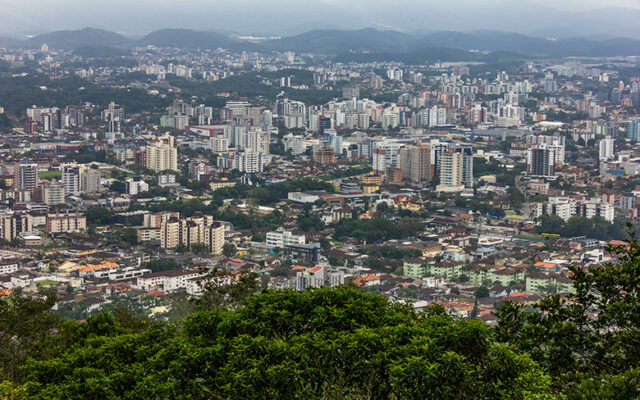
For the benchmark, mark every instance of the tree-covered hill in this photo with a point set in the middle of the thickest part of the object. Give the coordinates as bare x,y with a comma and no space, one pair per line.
325,343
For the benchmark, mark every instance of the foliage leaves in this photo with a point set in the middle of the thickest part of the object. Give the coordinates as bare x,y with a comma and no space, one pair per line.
323,343
589,341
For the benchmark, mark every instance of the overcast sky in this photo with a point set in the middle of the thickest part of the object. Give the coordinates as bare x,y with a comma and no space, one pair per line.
284,17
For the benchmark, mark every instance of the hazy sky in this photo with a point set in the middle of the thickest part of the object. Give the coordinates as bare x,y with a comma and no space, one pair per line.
137,17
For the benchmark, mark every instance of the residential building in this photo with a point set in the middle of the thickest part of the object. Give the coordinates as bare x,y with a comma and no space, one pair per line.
162,154
605,149
167,180
281,238
136,186
12,224
318,276
633,129
415,164
166,281
566,207
53,193
249,162
450,171
65,223
187,231
71,179
89,180
540,162
26,176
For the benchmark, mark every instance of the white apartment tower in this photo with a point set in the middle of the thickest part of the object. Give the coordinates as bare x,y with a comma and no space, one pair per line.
162,154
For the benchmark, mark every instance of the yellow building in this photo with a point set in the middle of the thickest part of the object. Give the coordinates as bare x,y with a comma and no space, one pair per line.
162,154
188,231
368,189
372,180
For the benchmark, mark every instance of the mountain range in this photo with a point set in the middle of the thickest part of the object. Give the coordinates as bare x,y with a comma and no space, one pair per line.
333,42
541,18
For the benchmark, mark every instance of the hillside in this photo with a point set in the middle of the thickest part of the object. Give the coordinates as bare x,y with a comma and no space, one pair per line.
333,41
6,41
186,38
362,44
101,51
74,39
529,45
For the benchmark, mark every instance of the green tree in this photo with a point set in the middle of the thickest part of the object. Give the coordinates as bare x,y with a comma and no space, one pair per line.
162,264
181,248
324,343
221,290
129,236
482,292
550,224
199,248
590,339
99,216
229,250
24,325
516,197
118,186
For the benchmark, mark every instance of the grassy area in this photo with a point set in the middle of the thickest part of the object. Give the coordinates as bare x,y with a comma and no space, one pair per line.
46,283
49,174
524,236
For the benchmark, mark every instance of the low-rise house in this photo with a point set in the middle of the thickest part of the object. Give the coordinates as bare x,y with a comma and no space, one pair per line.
317,276
167,281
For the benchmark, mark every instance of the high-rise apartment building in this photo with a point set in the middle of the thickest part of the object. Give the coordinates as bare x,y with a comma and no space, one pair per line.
555,144
12,224
415,164
188,231
249,162
71,179
450,171
540,162
162,154
467,165
324,154
385,155
633,129
605,149
26,176
455,167
53,193
89,180
219,144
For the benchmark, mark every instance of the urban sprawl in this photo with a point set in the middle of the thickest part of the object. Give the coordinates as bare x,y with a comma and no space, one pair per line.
132,182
